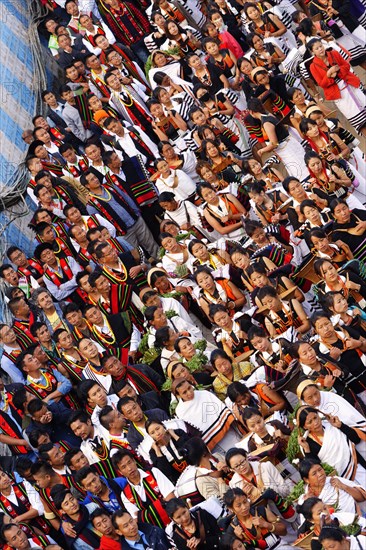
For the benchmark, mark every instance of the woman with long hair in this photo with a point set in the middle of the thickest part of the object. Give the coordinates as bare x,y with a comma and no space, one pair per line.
227,370
345,347
223,212
256,526
217,291
332,73
331,441
265,54
324,372
279,140
335,491
165,453
192,529
350,227
328,184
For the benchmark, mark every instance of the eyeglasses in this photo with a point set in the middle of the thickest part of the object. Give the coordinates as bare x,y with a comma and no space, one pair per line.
240,464
18,255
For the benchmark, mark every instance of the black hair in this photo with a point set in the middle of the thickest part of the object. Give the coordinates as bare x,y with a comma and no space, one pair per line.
34,436
23,464
258,332
84,387
267,291
306,465
166,196
337,202
202,269
194,450
58,494
251,226
69,455
303,414
249,412
219,354
231,495
173,505
306,508
233,452
82,474
305,123
237,389
119,455
307,203
332,533
286,182
311,154
162,336
317,316
80,415
318,265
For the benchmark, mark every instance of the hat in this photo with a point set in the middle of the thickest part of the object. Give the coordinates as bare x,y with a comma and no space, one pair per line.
176,383
33,146
301,387
99,115
312,109
171,366
258,70
156,270
144,290
299,411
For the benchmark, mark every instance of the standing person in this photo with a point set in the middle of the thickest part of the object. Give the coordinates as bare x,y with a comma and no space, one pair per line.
332,73
127,24
119,208
146,490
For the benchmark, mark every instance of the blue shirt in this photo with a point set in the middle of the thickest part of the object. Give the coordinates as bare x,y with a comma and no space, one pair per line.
113,503
141,544
118,209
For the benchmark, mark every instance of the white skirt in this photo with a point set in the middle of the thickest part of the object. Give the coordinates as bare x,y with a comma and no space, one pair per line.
352,104
292,155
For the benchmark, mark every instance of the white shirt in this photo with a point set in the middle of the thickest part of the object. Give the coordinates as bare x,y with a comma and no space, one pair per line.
9,367
184,211
104,380
128,145
165,486
86,447
112,400
185,188
33,497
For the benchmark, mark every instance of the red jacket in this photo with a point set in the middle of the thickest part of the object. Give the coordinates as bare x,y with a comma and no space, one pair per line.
109,544
319,70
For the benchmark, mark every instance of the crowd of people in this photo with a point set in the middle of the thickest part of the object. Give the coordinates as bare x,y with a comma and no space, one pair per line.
185,366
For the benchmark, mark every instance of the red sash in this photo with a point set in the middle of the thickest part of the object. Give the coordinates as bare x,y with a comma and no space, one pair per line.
91,38
23,333
9,427
55,278
36,266
99,206
21,494
152,508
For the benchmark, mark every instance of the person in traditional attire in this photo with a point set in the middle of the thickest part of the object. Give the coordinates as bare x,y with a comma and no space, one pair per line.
332,442
205,412
145,491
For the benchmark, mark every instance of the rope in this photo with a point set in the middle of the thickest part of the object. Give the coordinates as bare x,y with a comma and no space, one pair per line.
13,192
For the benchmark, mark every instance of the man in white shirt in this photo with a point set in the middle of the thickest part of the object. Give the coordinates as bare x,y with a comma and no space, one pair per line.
130,140
146,506
93,445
